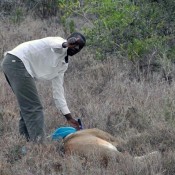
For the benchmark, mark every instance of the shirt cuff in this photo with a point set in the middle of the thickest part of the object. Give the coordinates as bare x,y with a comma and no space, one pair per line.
65,110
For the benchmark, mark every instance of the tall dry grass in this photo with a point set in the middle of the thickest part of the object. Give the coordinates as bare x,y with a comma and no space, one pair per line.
103,96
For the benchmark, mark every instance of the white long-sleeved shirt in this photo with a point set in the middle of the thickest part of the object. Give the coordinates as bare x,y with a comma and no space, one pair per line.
45,59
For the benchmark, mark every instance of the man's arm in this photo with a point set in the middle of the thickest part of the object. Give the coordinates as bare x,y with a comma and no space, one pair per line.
60,43
56,42
60,101
71,42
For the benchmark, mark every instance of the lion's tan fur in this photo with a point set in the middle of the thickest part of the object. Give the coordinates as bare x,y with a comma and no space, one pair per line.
92,142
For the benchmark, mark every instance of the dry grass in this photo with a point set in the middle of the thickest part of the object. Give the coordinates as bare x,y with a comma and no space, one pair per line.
101,93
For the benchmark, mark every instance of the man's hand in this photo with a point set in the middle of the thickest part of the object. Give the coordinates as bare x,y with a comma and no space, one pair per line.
72,41
72,122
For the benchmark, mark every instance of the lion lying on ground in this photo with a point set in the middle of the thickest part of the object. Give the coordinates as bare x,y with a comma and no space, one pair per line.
85,141
95,142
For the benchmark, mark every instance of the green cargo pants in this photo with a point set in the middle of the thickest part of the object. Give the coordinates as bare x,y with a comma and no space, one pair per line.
31,123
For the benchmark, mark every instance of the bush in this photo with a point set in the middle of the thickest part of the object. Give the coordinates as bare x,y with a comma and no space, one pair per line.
134,29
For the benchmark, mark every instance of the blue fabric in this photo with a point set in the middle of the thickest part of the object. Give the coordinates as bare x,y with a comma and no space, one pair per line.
62,132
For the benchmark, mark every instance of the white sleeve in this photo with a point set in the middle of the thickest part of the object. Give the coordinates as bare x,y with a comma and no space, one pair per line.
58,94
56,42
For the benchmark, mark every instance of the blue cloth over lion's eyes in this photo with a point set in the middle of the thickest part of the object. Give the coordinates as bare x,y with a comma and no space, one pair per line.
62,132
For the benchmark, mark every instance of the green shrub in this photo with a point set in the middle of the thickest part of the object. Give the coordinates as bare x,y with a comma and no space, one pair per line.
128,28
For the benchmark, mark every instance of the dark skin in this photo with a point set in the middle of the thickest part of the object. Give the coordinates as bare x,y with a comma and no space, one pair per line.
66,44
72,122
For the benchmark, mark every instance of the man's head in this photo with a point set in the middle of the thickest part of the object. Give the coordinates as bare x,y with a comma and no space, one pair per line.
79,44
